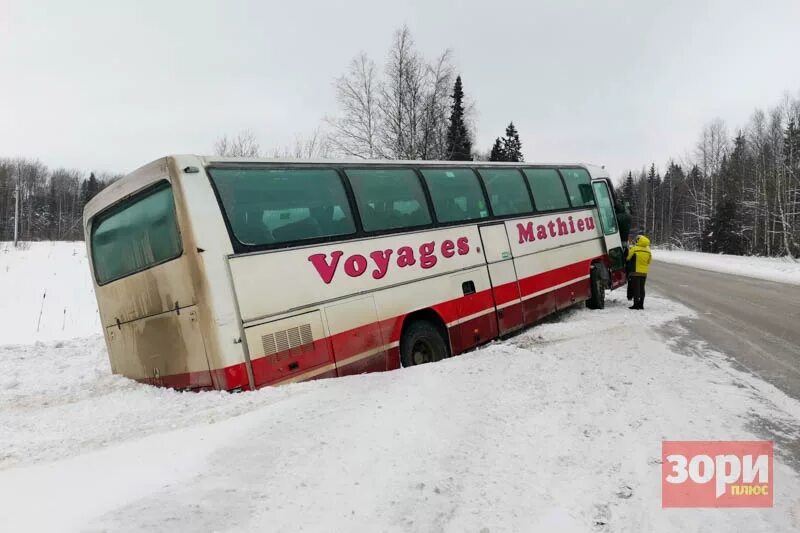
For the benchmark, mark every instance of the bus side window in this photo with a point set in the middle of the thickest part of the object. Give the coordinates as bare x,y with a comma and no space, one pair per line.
579,186
507,192
273,206
547,188
389,198
456,194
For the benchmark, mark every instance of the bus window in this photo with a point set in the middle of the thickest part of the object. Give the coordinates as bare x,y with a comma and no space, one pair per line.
578,186
275,206
456,194
389,198
136,234
547,188
507,192
605,207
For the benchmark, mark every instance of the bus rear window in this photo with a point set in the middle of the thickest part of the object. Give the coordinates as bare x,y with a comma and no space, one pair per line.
136,234
276,206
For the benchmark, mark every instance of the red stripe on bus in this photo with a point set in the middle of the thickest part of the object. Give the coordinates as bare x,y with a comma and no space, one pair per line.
552,278
341,346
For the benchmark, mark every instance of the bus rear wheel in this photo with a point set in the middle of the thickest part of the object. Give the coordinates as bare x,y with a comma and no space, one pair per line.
422,342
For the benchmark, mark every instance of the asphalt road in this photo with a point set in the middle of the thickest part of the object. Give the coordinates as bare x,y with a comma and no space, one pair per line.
756,322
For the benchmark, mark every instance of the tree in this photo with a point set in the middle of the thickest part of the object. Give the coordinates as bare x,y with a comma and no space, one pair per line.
459,144
512,145
243,145
627,190
401,113
508,148
89,188
723,234
356,129
414,101
498,152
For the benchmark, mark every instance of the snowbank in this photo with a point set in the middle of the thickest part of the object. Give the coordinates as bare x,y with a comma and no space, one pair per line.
779,269
51,278
556,429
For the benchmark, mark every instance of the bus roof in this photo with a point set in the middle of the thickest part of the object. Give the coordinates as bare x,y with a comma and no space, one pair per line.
150,172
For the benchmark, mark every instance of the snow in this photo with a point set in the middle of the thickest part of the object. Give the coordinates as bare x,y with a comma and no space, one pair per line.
556,429
778,269
51,278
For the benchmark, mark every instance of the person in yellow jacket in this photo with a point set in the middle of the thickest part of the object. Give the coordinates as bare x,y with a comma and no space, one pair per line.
640,253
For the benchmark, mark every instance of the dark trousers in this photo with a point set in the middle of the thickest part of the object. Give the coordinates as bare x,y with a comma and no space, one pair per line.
636,284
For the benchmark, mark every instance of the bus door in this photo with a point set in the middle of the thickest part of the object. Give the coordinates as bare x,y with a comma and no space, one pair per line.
608,222
503,276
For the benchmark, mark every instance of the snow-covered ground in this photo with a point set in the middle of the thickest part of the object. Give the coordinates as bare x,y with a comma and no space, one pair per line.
556,429
780,269
51,279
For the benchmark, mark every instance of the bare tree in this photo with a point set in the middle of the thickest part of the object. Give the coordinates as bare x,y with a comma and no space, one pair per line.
440,78
404,114
356,128
243,145
414,102
315,146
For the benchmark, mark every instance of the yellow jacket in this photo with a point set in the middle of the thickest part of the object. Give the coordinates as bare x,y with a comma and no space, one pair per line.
642,252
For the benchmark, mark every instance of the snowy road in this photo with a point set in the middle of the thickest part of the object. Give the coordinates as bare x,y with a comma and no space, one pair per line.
755,321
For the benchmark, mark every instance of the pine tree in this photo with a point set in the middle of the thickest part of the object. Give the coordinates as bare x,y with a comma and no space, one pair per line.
512,145
723,234
90,188
459,144
627,190
498,153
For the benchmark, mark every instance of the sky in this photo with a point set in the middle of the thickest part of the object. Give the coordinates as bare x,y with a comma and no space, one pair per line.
111,85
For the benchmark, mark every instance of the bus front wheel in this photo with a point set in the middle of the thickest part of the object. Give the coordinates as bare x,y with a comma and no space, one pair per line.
422,342
597,300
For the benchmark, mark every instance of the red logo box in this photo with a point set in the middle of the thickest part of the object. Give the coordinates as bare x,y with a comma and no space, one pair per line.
716,474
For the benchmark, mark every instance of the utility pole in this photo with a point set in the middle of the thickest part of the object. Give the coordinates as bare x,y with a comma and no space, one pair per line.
16,214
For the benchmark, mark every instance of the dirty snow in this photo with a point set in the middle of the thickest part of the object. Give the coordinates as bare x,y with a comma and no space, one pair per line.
556,429
779,269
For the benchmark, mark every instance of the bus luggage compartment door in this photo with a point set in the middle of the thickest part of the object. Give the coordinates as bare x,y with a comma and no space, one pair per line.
289,349
165,349
356,337
503,276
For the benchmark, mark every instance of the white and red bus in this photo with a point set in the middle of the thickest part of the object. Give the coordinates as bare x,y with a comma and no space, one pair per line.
233,274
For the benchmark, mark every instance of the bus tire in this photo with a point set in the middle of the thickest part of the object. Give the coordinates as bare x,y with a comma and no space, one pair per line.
422,342
597,300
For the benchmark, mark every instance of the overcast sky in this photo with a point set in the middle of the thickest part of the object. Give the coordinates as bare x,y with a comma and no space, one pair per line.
111,85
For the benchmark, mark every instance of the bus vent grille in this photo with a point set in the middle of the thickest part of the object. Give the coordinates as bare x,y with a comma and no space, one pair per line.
268,342
293,340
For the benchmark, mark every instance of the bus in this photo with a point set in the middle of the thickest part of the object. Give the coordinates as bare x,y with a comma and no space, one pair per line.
235,274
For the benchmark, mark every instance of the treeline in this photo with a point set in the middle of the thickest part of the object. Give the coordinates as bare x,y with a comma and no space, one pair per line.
736,194
50,201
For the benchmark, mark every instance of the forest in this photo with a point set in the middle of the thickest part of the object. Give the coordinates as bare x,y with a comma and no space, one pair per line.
50,200
736,193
